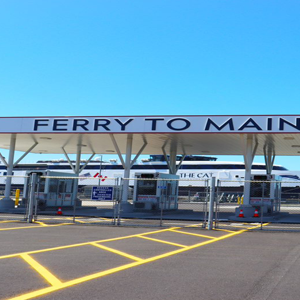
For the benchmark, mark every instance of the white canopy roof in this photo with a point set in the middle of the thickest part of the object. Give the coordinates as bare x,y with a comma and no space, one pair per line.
204,135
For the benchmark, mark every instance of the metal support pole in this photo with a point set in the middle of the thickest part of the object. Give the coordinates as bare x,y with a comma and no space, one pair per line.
75,182
31,198
77,170
248,158
10,166
211,203
262,206
162,203
173,152
269,154
127,168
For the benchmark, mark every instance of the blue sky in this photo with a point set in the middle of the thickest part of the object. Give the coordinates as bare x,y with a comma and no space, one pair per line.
150,57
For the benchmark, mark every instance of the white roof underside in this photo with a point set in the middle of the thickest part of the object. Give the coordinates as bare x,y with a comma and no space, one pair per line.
201,144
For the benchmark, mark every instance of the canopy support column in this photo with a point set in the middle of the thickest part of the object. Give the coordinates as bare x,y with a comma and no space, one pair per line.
77,171
269,153
249,154
127,164
7,202
172,160
127,168
173,154
77,168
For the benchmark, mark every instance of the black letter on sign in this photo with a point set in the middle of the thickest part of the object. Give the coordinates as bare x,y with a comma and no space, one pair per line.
210,122
270,123
80,123
56,124
104,125
282,121
37,123
154,122
187,124
252,123
123,125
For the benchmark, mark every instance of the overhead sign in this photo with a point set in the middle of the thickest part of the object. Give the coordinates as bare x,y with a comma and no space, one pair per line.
102,193
155,124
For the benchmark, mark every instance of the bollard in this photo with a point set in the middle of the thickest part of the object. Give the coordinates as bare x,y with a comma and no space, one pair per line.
17,198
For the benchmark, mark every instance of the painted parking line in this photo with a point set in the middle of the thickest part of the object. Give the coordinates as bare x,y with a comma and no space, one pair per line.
10,221
41,270
161,241
41,223
225,230
135,258
58,285
80,244
32,227
194,234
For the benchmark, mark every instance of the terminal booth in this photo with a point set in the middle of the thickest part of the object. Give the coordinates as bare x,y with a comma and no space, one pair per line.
155,191
51,192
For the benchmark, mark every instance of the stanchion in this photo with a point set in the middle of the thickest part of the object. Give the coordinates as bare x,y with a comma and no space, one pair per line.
31,198
204,206
262,207
161,209
211,203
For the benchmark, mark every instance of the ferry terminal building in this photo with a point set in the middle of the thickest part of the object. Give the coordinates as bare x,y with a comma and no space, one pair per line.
246,135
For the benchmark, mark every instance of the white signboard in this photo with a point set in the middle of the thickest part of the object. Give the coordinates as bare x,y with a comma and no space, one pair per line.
155,124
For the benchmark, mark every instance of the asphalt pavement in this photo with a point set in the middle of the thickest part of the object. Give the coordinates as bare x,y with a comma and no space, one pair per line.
64,261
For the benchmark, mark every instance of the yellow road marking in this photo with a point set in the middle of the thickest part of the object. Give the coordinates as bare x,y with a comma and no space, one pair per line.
235,226
30,227
10,221
195,225
162,241
117,252
195,234
81,244
223,230
41,270
41,223
76,220
89,221
70,283
162,230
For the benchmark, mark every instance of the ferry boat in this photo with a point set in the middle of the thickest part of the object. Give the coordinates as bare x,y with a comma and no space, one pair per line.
193,171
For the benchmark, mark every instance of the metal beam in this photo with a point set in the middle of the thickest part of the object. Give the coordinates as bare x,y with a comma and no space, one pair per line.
3,160
68,159
180,162
24,155
138,154
117,149
86,163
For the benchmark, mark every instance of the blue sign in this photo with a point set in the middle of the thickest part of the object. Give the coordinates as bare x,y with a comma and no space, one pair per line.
102,193
162,187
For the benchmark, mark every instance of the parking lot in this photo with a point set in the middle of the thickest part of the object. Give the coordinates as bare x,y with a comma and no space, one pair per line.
67,261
